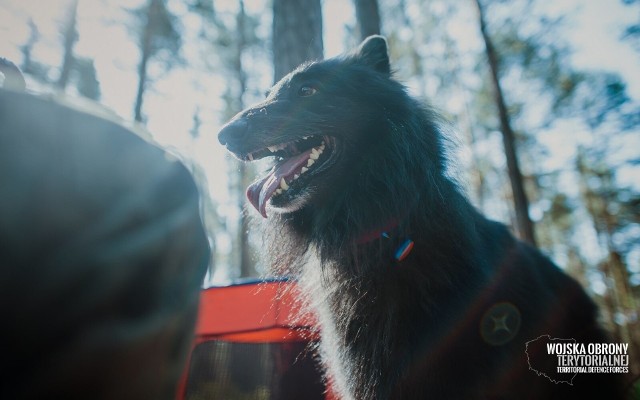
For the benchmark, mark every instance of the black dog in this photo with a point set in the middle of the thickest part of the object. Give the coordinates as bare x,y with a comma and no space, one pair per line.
418,295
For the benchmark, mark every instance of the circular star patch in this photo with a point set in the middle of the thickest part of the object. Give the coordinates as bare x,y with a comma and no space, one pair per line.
500,323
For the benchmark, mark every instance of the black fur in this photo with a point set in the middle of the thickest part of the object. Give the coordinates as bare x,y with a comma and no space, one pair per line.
410,329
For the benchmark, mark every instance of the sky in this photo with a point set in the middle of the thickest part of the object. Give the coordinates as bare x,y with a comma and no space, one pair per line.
595,30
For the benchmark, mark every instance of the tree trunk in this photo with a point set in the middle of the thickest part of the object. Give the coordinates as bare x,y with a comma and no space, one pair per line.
142,82
368,17
524,225
297,34
245,255
145,55
70,36
621,299
27,48
627,305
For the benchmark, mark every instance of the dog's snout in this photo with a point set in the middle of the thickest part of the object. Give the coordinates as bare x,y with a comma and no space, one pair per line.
233,132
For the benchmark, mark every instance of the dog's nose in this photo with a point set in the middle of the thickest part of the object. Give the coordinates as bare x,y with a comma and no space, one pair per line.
233,132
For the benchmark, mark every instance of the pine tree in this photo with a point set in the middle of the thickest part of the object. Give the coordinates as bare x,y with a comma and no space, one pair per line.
524,225
231,37
69,34
156,31
29,65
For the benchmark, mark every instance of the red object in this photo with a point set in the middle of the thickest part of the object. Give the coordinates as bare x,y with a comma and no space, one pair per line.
253,338
259,312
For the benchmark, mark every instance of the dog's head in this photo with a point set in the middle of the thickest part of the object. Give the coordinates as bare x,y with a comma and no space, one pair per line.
318,123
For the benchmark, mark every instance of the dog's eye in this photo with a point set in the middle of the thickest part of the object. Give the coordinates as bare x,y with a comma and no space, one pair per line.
306,91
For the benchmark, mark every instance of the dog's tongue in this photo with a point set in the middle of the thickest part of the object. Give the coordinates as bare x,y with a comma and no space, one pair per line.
260,191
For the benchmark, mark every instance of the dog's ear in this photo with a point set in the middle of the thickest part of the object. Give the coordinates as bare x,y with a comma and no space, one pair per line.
373,52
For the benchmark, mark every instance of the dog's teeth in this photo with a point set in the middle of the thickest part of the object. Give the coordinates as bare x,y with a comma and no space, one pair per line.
278,191
314,154
310,162
272,149
303,170
283,184
296,177
250,157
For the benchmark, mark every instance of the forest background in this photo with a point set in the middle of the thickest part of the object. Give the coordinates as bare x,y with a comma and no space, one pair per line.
543,99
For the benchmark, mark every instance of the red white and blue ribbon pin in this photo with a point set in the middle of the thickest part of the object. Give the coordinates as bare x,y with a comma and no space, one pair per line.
403,251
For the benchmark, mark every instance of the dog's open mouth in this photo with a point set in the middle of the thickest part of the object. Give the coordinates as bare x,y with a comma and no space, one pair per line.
296,163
